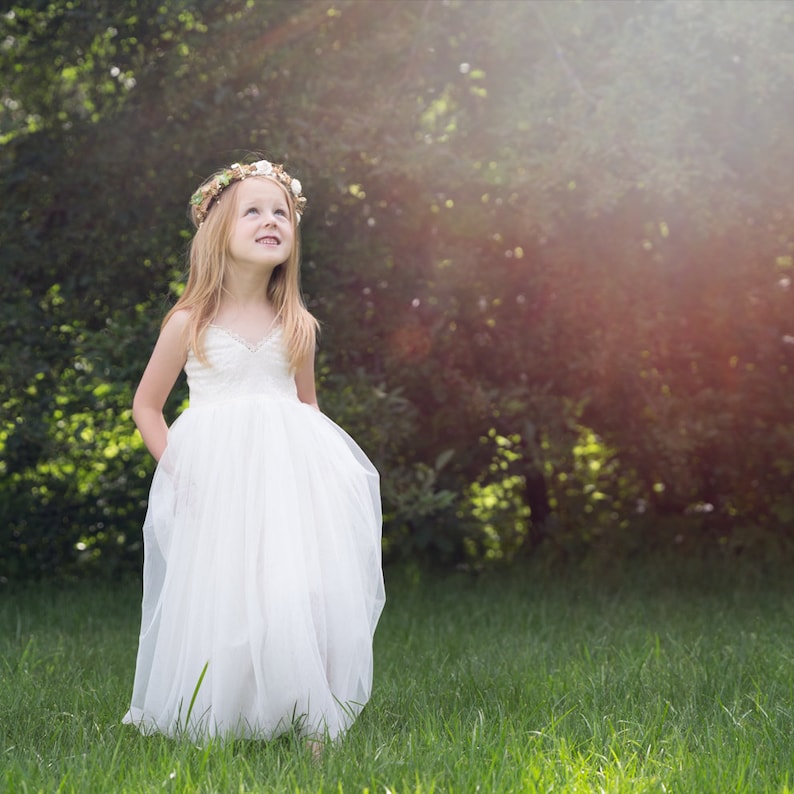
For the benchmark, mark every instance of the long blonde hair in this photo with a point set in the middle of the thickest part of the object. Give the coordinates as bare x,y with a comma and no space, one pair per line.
208,263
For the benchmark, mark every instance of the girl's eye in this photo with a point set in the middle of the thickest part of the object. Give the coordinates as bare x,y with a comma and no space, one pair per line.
251,210
281,212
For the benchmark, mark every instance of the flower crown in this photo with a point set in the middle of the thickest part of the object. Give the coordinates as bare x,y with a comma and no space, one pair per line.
202,199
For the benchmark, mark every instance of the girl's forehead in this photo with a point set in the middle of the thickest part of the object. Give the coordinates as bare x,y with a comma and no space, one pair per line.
261,188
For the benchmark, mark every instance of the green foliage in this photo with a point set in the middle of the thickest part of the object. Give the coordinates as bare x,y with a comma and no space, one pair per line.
563,225
76,473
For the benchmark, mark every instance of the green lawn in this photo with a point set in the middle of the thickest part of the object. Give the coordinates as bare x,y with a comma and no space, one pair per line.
518,681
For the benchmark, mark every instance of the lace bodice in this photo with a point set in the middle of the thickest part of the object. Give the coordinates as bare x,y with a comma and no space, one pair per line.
238,370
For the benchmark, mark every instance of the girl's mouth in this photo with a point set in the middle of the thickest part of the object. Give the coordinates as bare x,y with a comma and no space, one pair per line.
268,240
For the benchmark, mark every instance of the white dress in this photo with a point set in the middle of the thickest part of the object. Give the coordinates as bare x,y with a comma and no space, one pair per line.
262,581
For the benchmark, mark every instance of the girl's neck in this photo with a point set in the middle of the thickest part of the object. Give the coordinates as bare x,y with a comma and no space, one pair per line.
246,286
244,306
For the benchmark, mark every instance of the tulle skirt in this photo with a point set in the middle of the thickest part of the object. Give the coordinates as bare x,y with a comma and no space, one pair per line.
262,576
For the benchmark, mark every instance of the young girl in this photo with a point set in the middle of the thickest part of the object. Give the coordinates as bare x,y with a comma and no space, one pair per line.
262,575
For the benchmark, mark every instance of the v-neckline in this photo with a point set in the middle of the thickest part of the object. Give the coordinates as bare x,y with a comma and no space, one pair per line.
253,347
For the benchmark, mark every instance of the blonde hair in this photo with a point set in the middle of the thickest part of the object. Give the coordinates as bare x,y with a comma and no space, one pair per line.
208,263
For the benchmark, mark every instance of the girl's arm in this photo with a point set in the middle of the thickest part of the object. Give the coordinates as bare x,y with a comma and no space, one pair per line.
304,380
165,364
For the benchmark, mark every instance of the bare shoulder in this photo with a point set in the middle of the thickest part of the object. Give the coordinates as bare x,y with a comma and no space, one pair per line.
174,333
178,321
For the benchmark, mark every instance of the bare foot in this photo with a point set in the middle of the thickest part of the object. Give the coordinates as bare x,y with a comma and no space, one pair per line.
316,749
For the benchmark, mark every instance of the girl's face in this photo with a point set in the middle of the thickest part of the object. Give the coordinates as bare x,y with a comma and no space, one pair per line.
262,232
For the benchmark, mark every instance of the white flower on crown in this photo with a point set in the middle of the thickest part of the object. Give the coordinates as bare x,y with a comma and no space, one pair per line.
295,187
263,168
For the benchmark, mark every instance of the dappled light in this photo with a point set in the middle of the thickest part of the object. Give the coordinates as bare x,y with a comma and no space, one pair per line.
549,245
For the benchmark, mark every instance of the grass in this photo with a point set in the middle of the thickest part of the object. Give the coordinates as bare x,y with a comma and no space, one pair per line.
522,681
